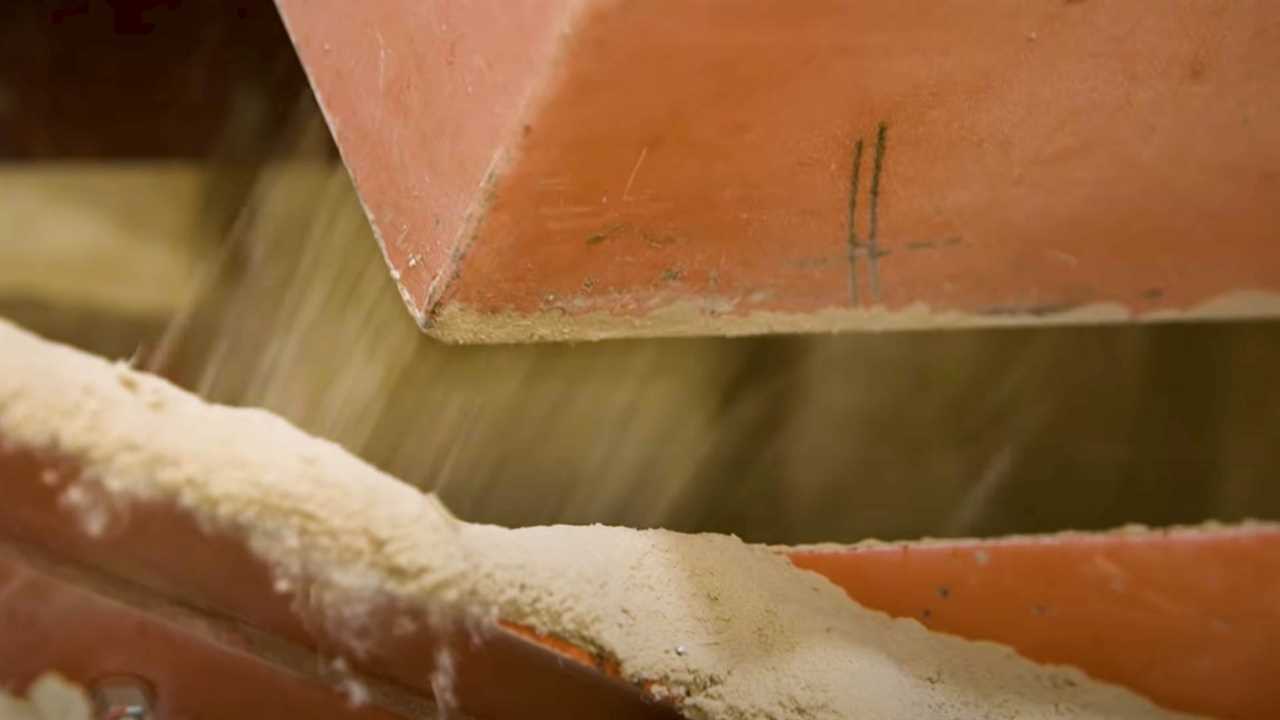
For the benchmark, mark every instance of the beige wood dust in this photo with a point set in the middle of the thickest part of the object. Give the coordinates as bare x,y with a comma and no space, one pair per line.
732,630
50,697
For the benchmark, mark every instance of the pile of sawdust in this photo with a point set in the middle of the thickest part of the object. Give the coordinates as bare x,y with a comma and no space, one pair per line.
733,630
50,697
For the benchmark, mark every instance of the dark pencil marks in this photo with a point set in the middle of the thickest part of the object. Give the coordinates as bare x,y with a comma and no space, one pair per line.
856,246
873,250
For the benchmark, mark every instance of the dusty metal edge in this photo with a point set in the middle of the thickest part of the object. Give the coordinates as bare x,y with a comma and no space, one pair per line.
1132,533
464,325
473,218
331,125
504,157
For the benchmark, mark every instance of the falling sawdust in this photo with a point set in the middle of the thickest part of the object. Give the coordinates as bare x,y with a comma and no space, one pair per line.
728,630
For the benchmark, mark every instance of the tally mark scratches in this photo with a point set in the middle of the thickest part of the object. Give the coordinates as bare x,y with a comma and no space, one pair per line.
873,249
855,245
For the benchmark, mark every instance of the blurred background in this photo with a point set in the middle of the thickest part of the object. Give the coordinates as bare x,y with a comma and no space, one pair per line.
169,195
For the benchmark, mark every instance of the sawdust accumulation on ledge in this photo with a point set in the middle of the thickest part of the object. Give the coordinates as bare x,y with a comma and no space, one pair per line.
729,630
457,323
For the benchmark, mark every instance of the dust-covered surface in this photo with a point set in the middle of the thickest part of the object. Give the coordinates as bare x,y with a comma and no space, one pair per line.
711,317
731,630
50,697
720,317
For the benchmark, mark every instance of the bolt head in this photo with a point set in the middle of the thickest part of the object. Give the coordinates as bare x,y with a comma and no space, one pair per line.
122,697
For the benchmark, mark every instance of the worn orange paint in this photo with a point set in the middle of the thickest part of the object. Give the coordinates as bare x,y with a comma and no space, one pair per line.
53,623
1189,617
1037,156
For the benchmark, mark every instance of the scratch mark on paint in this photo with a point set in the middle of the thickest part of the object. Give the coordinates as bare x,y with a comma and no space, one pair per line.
597,238
382,62
1067,258
873,251
934,244
626,192
853,243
